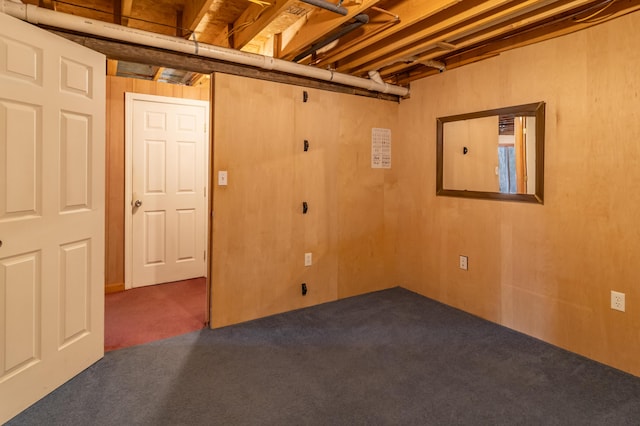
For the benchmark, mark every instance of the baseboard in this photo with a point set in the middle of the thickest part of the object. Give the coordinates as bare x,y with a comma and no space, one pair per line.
113,288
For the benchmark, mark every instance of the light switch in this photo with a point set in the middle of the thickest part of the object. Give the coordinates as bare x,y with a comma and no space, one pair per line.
222,178
308,259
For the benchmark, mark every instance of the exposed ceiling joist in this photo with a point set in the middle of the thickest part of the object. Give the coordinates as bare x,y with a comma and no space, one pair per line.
156,57
255,19
402,39
192,14
394,47
158,73
485,30
199,79
125,9
47,4
320,24
556,28
409,13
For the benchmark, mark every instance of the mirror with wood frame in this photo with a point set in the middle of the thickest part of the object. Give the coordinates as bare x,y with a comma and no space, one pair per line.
495,154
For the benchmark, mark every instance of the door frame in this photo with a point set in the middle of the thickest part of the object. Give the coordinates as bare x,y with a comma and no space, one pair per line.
130,98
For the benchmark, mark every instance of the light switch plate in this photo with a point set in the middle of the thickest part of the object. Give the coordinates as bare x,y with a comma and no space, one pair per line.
222,178
308,259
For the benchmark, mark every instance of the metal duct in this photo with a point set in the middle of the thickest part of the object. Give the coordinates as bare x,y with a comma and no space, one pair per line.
327,6
361,19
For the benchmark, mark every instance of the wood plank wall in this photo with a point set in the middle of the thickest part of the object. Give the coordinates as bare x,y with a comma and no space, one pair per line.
260,234
116,89
545,270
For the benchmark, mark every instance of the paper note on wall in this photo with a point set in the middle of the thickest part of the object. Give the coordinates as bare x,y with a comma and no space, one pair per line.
380,148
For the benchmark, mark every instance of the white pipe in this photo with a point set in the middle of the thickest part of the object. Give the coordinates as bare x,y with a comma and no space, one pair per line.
38,15
435,64
375,76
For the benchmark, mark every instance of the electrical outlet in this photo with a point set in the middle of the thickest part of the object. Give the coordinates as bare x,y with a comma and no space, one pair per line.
308,259
617,301
464,263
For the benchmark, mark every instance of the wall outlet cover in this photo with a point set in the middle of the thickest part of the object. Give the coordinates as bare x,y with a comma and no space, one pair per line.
464,263
617,301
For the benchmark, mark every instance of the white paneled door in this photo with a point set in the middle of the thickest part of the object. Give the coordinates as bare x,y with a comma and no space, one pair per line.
168,188
52,111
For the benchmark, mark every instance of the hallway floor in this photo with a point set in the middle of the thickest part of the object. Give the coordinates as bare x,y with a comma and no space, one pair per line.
146,314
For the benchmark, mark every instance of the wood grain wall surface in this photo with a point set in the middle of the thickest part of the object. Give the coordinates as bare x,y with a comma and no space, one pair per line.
545,270
115,140
260,234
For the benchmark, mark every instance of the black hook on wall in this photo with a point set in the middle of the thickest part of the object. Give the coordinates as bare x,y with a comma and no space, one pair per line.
306,145
465,150
305,207
304,289
305,96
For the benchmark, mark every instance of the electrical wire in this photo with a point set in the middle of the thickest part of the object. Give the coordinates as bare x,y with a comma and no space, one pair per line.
587,19
264,5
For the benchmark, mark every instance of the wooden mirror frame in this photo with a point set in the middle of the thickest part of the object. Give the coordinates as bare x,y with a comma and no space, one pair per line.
536,110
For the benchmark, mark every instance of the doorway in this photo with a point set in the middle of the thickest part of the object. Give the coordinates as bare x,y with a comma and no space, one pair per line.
166,197
117,87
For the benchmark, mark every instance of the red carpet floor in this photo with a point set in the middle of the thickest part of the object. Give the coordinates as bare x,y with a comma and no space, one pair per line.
145,314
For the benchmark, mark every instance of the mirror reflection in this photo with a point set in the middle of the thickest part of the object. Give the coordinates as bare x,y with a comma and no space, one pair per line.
492,154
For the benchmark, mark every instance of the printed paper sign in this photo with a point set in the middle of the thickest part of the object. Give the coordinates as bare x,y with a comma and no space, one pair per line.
380,148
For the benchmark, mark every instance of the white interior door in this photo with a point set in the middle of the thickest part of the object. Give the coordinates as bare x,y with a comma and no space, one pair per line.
168,188
52,112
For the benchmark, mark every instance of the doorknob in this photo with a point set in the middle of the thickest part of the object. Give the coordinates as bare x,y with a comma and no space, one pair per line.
137,203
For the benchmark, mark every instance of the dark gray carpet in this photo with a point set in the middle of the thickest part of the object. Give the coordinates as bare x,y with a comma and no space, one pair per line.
386,358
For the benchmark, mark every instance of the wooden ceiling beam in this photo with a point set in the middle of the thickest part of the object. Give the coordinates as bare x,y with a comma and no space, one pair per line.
192,14
395,47
409,13
47,4
255,19
151,56
125,9
487,50
223,38
158,73
198,79
492,33
319,24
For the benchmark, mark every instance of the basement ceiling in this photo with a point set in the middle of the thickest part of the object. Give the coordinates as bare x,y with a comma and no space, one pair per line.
403,40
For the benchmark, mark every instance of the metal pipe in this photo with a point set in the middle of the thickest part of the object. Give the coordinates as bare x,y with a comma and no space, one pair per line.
360,21
328,6
38,15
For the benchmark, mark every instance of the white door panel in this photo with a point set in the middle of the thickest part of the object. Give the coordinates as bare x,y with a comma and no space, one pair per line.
168,177
52,109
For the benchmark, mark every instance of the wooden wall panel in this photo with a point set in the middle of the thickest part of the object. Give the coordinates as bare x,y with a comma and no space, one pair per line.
545,270
259,232
116,89
361,223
